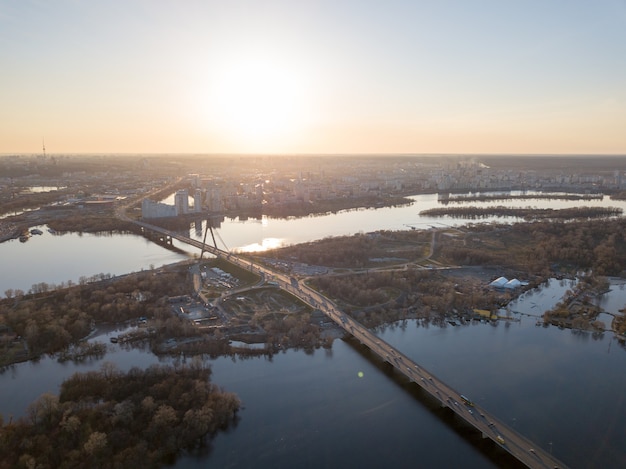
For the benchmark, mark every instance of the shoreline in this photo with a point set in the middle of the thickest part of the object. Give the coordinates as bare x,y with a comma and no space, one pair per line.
9,232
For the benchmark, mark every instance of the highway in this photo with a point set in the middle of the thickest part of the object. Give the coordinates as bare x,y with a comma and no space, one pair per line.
507,438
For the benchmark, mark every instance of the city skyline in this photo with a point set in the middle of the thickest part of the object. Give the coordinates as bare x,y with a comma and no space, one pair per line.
313,77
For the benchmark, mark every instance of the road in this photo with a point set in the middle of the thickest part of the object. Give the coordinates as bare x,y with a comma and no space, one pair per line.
510,440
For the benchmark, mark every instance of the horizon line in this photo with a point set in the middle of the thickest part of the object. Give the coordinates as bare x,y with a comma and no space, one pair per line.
396,154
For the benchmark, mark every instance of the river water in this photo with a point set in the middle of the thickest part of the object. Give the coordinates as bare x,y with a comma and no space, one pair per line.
53,258
563,389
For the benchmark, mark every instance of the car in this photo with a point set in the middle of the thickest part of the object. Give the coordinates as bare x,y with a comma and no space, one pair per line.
500,439
532,450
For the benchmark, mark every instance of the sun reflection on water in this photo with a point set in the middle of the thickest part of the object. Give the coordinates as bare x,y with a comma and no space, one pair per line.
266,244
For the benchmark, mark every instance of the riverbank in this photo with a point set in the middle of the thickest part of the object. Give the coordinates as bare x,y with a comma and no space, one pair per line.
8,231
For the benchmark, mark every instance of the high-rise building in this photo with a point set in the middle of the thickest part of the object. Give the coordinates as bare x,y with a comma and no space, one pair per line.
214,200
197,201
181,202
151,209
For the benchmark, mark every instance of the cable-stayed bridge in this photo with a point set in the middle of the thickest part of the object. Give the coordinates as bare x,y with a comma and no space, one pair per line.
517,445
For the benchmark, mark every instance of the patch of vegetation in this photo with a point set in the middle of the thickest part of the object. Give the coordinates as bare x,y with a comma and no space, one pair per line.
81,222
103,419
542,247
577,309
50,322
619,324
358,251
525,213
377,298
463,198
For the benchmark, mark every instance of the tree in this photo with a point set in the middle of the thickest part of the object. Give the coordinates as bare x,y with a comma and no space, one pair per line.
31,334
96,442
109,369
45,411
164,417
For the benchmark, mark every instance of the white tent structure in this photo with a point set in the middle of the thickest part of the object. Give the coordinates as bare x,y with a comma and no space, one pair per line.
500,282
512,284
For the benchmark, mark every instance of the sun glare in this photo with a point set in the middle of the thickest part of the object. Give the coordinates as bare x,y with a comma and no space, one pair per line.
257,101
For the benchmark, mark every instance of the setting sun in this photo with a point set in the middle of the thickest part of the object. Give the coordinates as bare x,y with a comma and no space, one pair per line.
258,101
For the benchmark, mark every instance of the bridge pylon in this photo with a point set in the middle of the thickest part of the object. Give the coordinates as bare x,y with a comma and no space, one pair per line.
208,228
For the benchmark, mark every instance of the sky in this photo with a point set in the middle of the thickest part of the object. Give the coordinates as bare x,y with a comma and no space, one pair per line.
313,76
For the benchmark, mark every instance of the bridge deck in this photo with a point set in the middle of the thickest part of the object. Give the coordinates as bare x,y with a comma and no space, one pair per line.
510,440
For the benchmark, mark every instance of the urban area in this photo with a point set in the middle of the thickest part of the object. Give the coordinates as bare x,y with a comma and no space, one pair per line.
306,296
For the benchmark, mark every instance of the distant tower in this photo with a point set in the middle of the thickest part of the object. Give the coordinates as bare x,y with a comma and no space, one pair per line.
43,143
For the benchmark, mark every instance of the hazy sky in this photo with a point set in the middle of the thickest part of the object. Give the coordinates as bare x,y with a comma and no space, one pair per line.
298,76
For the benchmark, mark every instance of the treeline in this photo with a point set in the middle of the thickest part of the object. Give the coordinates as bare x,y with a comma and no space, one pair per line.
301,209
492,197
110,419
525,213
92,223
49,323
539,247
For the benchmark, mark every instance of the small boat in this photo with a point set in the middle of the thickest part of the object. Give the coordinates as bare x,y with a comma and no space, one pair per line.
114,340
36,231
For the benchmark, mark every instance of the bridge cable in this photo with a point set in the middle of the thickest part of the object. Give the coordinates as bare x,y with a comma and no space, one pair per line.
220,238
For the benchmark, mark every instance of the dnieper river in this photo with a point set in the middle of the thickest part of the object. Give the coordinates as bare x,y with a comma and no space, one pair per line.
563,389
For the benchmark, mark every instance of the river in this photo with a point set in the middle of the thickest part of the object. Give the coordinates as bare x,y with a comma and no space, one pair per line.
53,258
563,389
